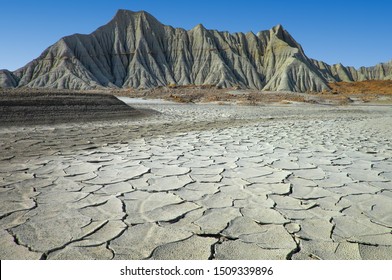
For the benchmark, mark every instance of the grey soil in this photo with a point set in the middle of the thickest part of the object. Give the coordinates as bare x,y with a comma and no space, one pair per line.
49,108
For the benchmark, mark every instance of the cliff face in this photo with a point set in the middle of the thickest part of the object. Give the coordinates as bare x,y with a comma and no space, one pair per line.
7,79
340,73
136,50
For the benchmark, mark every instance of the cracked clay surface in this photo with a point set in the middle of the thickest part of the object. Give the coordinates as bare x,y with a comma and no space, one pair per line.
201,182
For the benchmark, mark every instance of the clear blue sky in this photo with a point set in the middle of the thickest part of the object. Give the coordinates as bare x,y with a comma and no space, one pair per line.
355,33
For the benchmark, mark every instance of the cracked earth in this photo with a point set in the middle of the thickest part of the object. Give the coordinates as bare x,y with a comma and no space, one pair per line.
201,182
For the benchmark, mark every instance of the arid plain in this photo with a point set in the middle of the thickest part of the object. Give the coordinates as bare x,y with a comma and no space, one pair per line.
201,181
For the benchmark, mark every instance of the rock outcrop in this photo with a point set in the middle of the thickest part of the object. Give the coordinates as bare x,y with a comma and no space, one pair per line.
7,79
135,50
340,73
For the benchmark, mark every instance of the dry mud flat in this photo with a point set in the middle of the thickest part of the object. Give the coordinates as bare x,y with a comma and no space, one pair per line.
201,182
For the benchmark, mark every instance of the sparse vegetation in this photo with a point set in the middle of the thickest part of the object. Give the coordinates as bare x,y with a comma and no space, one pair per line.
340,94
376,91
172,86
364,87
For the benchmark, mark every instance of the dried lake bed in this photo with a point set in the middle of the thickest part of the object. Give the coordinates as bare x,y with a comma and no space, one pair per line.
201,182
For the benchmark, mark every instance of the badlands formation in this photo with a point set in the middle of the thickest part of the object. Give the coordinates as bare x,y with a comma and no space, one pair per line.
191,181
201,182
135,50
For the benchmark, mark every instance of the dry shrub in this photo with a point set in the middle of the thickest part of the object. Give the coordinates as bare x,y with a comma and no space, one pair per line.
363,87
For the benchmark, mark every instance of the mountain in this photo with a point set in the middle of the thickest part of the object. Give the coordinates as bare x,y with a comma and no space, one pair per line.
340,73
135,50
7,79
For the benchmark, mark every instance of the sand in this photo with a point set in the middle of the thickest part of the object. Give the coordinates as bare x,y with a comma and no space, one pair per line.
201,182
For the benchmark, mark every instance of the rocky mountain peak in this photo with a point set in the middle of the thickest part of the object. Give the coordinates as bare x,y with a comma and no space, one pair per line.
126,14
125,19
278,29
135,50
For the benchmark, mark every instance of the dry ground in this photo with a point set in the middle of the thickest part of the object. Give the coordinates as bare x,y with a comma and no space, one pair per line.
201,181
342,93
